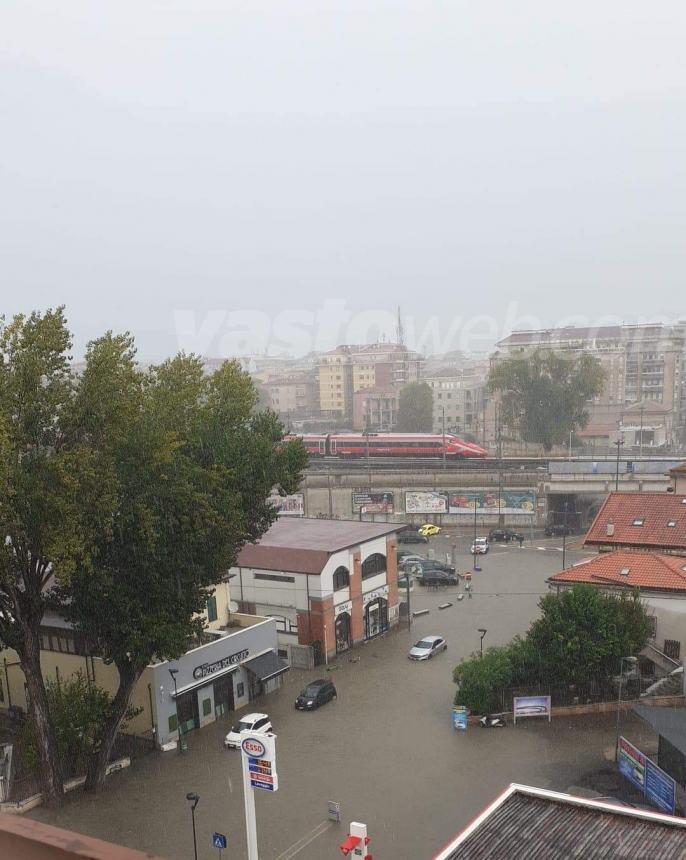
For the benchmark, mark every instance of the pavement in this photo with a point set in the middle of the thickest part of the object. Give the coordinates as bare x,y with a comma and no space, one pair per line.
385,749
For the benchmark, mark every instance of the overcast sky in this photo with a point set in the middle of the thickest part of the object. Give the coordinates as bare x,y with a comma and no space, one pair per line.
229,176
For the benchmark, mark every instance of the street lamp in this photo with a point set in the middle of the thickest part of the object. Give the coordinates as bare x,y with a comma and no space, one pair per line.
632,662
443,411
193,799
618,443
174,673
483,632
564,536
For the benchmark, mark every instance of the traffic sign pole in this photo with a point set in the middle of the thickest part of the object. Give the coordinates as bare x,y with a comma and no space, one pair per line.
250,819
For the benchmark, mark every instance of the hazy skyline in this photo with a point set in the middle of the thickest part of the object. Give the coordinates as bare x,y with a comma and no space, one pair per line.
165,161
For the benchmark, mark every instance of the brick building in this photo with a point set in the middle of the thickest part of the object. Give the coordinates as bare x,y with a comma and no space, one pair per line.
330,582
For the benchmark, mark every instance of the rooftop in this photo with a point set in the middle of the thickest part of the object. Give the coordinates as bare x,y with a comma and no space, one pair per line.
533,822
641,520
303,545
649,571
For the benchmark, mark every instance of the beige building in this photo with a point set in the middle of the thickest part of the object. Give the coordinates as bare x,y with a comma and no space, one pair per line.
644,365
294,395
460,396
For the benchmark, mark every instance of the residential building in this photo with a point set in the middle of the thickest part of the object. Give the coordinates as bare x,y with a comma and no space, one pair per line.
330,582
525,821
234,662
294,395
678,476
376,408
336,383
659,579
641,521
645,366
460,395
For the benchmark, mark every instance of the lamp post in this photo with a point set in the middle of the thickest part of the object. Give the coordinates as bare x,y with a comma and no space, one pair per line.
483,632
174,673
564,536
632,661
193,799
618,443
569,457
443,412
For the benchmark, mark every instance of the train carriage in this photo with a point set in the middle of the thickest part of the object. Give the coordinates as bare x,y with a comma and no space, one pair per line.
390,445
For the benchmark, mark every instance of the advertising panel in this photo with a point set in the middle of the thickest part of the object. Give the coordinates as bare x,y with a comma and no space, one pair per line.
520,502
372,503
632,763
658,786
531,706
425,502
289,506
460,720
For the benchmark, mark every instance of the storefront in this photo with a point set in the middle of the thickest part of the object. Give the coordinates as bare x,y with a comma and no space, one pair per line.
375,612
210,682
343,626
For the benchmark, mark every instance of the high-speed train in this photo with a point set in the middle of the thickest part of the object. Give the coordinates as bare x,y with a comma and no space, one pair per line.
390,445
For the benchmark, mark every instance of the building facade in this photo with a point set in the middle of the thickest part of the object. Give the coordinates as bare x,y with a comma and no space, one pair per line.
376,409
294,395
460,396
329,582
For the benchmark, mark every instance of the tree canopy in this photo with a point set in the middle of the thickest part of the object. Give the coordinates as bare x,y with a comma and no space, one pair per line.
415,408
543,395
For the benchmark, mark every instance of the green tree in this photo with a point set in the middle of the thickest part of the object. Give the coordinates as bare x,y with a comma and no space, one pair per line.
544,394
188,464
415,408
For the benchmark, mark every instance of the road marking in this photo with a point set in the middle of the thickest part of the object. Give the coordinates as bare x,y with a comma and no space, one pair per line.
305,840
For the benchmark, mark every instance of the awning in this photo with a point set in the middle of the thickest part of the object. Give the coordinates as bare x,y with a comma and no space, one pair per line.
203,682
266,666
668,722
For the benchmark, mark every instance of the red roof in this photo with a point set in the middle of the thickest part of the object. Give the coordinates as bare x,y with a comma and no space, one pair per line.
641,520
649,571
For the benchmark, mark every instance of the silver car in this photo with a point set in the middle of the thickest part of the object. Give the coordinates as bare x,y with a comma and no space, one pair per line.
427,647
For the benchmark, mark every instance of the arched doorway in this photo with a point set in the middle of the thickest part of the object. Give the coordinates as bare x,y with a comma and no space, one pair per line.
343,632
375,617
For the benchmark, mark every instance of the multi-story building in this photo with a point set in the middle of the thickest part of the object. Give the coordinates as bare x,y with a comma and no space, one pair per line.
348,369
644,365
376,408
460,396
293,395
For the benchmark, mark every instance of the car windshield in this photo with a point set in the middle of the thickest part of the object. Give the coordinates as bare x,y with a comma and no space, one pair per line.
311,692
424,644
243,725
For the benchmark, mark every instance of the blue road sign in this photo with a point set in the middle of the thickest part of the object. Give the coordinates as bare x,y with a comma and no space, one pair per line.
219,841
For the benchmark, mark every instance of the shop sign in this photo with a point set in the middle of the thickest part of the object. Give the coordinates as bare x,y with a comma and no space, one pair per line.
343,607
372,595
204,670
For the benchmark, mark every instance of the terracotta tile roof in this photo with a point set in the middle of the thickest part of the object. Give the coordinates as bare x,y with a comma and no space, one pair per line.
303,545
626,512
649,571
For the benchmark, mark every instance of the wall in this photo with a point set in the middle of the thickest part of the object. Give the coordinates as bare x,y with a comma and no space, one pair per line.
671,619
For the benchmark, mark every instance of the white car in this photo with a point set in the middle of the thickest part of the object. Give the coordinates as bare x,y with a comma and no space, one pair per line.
427,647
259,723
480,546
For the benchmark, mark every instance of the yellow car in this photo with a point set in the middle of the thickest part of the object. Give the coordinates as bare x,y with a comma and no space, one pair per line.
429,529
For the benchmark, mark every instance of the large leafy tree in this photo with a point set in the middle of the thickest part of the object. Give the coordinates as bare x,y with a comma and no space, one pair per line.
191,464
543,395
415,408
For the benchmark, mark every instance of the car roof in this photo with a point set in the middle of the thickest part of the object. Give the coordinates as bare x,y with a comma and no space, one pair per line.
430,638
251,718
319,682
481,538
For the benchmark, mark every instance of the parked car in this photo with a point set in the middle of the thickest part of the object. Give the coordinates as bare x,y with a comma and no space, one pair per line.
429,529
427,648
432,576
504,534
404,553
480,546
316,694
259,723
411,536
558,530
411,558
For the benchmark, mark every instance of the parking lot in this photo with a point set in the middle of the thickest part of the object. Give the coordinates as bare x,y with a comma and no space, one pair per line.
385,749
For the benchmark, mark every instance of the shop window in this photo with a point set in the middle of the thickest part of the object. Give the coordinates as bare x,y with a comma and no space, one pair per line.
212,608
173,725
341,578
376,563
206,707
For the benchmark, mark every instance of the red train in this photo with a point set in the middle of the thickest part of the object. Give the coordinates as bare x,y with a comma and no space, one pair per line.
390,445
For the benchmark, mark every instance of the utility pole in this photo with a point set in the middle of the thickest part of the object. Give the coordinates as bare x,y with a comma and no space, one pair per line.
443,411
564,536
409,613
640,438
618,443
570,445
500,464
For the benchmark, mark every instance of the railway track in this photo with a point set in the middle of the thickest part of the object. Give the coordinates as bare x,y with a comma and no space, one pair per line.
425,464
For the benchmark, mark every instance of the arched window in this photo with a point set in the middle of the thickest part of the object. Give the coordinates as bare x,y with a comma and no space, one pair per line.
341,578
375,563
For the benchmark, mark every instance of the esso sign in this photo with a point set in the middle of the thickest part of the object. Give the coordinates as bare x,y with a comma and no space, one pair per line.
254,748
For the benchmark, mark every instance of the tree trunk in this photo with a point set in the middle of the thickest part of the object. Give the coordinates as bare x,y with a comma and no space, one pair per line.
50,767
99,759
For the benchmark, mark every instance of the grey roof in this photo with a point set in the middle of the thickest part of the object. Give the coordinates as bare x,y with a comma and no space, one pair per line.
668,722
266,666
549,826
303,545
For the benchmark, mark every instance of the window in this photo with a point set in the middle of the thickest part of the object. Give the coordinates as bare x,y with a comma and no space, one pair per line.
212,608
652,632
671,524
638,522
341,578
274,577
376,563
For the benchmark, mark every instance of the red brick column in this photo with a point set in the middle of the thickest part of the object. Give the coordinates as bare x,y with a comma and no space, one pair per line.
357,613
392,572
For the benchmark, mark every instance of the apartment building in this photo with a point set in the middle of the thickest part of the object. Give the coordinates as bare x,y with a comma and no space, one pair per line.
644,367
294,395
376,408
460,396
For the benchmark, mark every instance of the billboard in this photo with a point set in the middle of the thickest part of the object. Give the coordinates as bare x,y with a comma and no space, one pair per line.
632,763
658,786
425,502
372,503
289,506
531,706
460,718
512,502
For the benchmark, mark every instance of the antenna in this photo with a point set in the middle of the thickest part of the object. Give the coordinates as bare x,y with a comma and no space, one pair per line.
400,334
